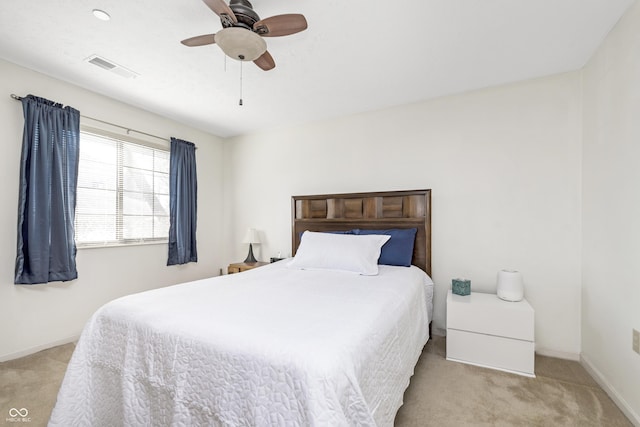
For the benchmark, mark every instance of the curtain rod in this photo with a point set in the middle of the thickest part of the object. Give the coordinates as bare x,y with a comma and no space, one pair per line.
19,98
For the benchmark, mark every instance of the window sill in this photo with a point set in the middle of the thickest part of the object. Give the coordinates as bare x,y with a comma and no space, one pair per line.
116,245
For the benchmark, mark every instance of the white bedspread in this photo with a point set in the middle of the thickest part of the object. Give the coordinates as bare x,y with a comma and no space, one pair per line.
267,347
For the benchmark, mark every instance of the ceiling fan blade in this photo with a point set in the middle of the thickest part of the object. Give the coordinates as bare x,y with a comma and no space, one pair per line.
221,9
265,61
281,25
200,40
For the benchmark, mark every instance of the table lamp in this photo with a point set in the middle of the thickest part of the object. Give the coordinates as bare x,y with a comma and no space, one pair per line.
251,237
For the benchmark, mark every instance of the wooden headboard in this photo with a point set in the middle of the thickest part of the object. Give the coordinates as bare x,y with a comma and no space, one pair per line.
379,210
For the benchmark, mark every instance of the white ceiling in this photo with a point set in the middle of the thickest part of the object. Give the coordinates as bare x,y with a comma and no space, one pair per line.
355,56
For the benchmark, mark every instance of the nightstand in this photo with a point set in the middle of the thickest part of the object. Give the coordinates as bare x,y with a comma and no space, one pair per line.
486,331
239,267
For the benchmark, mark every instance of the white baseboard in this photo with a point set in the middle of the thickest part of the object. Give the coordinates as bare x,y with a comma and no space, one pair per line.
558,354
608,388
32,350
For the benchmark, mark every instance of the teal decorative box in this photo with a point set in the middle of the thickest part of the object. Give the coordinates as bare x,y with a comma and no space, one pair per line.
461,286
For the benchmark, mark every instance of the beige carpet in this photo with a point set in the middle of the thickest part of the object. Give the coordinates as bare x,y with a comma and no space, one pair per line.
444,393
441,393
32,383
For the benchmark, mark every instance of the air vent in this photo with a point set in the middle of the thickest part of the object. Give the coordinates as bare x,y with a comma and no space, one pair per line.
111,66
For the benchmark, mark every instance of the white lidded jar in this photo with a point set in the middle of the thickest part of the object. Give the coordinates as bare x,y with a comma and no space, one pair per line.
510,286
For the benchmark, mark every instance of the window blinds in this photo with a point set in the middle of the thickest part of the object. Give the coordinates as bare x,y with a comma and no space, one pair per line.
123,192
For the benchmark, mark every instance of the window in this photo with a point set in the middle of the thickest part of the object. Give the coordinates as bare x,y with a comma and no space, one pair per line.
123,192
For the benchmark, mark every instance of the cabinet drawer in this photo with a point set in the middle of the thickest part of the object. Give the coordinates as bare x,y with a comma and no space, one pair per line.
487,314
490,351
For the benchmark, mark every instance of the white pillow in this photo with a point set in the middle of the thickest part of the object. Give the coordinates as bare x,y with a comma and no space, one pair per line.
339,252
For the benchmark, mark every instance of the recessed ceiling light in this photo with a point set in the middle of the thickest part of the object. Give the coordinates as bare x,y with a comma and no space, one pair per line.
101,15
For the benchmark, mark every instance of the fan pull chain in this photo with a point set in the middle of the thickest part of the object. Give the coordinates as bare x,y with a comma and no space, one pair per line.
241,83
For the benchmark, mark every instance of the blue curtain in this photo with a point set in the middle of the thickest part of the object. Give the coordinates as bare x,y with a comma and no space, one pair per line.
183,192
46,249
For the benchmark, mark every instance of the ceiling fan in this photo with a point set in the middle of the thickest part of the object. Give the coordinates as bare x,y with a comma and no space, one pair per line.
242,32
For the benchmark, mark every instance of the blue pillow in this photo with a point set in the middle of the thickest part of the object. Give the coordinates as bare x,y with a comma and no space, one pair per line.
399,249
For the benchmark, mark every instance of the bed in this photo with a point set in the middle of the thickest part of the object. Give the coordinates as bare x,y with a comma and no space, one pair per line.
274,346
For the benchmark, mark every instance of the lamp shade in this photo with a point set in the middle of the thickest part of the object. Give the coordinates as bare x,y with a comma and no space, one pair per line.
510,286
240,43
252,236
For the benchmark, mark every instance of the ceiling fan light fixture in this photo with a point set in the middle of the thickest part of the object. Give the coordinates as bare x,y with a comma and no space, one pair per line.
240,44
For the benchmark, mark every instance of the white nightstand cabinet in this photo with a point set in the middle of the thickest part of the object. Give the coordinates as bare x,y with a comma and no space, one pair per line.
486,331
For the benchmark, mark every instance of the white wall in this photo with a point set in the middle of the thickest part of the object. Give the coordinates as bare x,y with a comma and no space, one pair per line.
504,167
36,317
611,213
